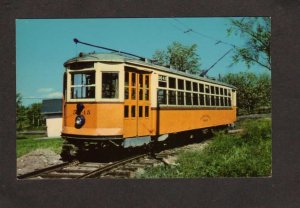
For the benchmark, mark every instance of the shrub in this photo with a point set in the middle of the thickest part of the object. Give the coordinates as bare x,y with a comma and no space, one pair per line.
249,154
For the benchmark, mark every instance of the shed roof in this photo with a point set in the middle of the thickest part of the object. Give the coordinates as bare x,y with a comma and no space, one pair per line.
52,106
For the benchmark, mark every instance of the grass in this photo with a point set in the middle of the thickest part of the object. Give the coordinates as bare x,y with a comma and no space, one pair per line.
246,155
28,143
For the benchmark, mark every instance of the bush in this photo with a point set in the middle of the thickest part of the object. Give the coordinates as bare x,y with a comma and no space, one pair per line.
249,154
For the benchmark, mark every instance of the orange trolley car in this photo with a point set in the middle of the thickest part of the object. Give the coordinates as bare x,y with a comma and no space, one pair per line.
113,99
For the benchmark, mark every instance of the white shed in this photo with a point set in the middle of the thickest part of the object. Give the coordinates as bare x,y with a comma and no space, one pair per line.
52,110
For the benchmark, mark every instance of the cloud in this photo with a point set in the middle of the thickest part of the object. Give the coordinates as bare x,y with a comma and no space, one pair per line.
55,95
45,90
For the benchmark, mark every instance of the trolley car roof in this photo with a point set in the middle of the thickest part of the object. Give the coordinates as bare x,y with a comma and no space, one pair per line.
116,57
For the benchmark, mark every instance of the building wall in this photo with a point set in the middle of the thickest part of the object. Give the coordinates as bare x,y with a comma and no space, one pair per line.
54,125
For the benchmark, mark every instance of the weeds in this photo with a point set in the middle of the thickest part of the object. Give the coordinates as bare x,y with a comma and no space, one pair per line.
245,155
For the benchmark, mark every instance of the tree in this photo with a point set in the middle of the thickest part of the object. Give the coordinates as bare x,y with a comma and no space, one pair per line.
181,57
34,115
253,91
257,32
21,111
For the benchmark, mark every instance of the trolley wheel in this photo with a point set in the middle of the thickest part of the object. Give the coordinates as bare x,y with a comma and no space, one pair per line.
69,152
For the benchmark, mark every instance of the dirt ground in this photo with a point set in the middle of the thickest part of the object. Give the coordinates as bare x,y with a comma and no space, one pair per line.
37,159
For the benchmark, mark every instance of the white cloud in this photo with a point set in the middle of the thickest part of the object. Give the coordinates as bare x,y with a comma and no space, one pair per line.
55,95
45,90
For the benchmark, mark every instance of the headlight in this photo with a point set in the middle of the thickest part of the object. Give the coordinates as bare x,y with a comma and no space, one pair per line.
79,121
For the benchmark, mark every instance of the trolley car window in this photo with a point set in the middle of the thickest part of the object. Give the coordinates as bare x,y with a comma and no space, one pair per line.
206,89
140,94
212,89
207,100
133,79
212,100
222,101
126,111
221,91
147,87
225,91
195,99
217,90
146,94
162,81
126,78
162,84
126,93
110,85
217,101
172,97
188,85
126,85
201,99
147,81
195,87
162,96
201,86
140,111
141,84
180,98
83,85
225,101
188,98
82,92
133,111
132,93
172,83
85,78
180,84
146,111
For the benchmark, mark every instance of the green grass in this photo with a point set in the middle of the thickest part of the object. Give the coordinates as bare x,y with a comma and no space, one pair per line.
247,155
28,143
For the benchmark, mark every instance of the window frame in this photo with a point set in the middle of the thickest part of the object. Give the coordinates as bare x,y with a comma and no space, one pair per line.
199,91
118,88
70,86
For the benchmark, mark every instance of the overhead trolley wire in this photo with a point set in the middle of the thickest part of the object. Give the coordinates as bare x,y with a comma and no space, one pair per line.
189,29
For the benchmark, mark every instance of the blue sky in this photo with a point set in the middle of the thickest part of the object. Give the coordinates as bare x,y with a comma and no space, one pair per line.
43,45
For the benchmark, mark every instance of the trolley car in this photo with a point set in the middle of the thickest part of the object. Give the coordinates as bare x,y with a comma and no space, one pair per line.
112,99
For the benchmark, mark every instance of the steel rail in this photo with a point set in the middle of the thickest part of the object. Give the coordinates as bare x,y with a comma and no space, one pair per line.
108,167
47,170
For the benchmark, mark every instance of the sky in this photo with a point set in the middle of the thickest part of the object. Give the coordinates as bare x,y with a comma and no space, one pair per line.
43,45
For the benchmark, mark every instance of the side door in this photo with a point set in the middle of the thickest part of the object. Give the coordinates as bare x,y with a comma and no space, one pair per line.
137,118
130,103
143,111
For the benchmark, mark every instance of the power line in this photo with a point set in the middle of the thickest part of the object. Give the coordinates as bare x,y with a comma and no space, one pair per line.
32,98
189,29
217,41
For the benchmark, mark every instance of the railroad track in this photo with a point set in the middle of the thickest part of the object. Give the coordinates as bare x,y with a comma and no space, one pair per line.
125,168
79,170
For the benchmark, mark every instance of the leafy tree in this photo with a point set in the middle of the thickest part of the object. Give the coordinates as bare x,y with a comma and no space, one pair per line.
21,111
179,56
257,32
253,91
34,115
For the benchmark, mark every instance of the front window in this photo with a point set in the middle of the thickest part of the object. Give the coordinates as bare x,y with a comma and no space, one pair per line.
110,85
83,85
